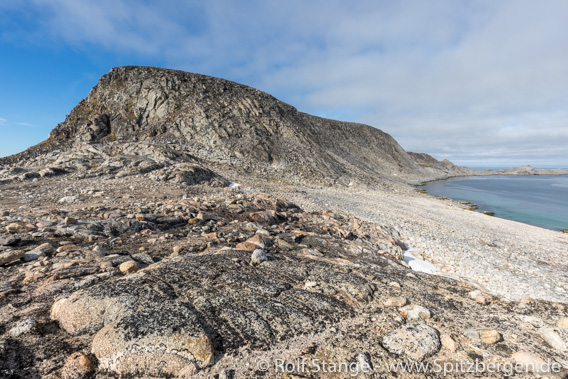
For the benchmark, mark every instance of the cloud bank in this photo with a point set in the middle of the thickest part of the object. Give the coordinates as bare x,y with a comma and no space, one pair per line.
472,81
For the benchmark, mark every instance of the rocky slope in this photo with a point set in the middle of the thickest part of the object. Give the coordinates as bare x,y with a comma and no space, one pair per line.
445,167
132,278
165,117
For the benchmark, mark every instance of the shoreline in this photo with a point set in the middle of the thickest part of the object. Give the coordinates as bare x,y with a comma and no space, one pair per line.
509,258
472,204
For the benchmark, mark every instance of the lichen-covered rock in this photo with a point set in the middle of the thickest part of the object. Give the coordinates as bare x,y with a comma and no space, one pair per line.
10,256
161,341
90,309
415,341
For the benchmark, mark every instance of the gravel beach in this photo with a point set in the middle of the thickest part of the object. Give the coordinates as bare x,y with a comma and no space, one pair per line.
507,258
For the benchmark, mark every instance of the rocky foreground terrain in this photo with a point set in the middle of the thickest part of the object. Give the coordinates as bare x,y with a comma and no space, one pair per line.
129,250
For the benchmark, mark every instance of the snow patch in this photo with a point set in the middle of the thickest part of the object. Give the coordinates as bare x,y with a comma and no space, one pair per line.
417,264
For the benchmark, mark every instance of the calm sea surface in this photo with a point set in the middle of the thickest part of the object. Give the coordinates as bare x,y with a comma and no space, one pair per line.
535,200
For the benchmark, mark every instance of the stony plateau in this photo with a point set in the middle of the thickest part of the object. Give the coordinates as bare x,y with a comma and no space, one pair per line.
128,250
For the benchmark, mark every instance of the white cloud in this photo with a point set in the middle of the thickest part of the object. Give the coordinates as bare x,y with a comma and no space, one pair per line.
457,79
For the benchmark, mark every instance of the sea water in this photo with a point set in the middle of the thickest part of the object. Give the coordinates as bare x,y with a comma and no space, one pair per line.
535,200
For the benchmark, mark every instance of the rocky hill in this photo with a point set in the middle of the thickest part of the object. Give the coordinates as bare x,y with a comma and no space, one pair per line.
165,117
444,167
125,251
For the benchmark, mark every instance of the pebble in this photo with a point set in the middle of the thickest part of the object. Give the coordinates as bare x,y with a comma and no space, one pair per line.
70,220
364,362
77,366
563,323
11,256
178,249
395,302
449,343
552,338
14,228
33,255
46,248
482,299
258,256
486,336
128,267
99,251
415,313
65,248
310,284
415,341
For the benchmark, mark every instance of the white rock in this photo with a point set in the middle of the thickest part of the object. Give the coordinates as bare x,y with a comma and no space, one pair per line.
531,362
552,338
258,256
22,327
68,199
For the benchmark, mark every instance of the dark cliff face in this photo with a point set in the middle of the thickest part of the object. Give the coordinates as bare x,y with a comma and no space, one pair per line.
220,121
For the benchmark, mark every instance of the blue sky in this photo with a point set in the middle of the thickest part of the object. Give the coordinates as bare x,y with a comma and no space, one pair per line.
479,82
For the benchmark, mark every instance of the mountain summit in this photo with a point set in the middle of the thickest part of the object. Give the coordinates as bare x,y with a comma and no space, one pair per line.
162,114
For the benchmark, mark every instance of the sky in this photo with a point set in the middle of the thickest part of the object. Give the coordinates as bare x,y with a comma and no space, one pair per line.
478,82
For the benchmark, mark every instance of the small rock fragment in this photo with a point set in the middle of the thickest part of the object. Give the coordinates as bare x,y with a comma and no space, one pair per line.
32,255
77,366
68,199
364,363
177,250
99,251
46,248
258,256
10,256
486,336
128,267
395,302
70,220
415,313
449,343
552,338
415,341
482,299
475,293
14,228
283,244
563,323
